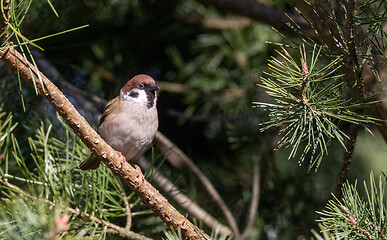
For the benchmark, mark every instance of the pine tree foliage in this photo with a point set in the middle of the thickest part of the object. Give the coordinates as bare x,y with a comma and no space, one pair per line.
372,16
6,128
13,36
354,216
310,102
26,218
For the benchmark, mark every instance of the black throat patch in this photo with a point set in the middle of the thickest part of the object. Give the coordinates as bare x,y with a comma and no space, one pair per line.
150,95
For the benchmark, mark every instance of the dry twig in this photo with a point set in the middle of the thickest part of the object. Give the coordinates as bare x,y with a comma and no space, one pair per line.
255,197
170,150
180,198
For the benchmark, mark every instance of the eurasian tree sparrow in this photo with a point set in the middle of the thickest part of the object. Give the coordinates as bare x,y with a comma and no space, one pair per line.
129,121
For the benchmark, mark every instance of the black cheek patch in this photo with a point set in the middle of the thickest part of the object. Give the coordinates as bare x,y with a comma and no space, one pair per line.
133,94
150,95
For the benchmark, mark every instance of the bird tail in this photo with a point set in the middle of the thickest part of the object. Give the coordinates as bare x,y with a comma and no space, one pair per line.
91,162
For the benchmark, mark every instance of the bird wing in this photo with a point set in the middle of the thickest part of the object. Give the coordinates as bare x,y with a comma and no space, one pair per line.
108,109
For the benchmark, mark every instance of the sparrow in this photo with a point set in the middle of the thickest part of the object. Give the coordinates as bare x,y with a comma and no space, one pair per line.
129,121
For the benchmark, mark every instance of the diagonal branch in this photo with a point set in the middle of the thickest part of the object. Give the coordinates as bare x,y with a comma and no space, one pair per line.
255,196
180,198
129,174
171,151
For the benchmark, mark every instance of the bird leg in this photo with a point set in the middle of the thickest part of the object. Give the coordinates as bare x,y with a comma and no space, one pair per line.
123,159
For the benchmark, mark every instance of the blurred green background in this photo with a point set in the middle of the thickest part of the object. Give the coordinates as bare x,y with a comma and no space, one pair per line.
210,115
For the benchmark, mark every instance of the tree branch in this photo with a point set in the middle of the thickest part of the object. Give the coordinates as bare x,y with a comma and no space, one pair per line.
347,159
129,174
4,16
255,197
358,94
260,12
216,23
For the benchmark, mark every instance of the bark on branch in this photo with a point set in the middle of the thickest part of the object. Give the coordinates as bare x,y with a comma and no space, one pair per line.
130,175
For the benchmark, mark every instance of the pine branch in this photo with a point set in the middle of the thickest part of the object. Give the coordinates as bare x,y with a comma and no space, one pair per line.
4,17
327,18
129,174
358,94
347,159
77,213
354,216
311,103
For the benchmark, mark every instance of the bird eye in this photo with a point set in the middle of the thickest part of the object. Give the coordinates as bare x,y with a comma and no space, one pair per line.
141,85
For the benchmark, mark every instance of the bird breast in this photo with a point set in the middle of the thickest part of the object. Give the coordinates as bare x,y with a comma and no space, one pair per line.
130,130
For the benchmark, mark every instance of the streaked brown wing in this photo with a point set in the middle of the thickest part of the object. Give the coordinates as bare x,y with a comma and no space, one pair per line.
108,109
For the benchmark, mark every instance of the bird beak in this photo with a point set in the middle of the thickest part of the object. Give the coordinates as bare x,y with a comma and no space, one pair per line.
153,87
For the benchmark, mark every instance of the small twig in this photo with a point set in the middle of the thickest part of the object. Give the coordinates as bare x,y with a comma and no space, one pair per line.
4,18
77,213
255,197
216,23
8,176
169,149
185,202
350,31
347,159
304,75
125,198
320,23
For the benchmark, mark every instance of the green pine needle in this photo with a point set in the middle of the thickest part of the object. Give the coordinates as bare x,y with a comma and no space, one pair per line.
356,217
311,104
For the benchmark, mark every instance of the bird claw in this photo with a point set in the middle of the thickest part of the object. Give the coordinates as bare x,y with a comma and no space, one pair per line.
123,159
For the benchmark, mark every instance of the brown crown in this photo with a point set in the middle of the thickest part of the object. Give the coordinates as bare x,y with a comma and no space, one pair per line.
136,80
